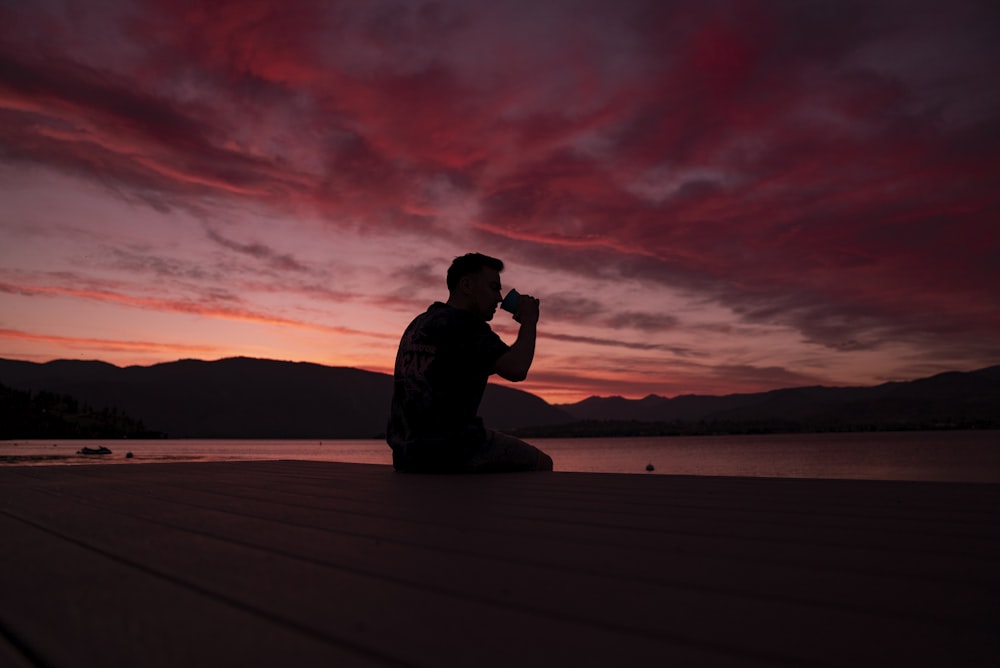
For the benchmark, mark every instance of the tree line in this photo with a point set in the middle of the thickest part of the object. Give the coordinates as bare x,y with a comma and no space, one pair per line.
43,414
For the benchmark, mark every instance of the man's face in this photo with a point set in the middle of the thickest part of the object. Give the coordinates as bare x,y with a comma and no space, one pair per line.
485,292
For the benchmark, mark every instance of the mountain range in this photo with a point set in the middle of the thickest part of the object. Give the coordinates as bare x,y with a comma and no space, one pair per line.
251,398
256,398
947,400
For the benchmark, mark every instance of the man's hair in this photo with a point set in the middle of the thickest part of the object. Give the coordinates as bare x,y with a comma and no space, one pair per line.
468,264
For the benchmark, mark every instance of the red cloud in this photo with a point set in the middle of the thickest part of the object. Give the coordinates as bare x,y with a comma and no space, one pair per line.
209,307
110,345
779,158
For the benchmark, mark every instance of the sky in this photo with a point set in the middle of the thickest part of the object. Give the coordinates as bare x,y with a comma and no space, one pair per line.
707,196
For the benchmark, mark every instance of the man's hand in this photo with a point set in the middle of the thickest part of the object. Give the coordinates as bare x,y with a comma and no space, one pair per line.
527,310
514,364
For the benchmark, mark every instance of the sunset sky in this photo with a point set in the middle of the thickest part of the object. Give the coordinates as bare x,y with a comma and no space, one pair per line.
708,196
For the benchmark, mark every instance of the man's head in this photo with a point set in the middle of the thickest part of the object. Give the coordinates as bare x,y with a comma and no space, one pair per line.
474,284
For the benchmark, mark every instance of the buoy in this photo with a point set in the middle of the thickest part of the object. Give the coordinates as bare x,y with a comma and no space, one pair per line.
128,455
649,467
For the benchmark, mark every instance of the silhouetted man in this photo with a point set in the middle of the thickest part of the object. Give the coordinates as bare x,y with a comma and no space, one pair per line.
445,357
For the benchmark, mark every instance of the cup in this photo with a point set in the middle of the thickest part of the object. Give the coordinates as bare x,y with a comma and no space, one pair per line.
511,301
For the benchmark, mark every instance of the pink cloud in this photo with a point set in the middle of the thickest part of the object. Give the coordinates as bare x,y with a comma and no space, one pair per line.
829,170
213,305
109,345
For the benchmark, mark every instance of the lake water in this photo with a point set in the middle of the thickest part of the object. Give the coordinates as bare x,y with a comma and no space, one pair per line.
958,456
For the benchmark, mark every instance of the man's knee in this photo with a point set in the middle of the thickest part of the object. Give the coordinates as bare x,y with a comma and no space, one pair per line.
544,462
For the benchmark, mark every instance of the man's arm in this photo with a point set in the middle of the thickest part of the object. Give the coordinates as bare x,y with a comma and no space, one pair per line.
514,364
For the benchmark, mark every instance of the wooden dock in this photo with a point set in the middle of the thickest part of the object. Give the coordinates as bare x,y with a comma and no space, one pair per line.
322,564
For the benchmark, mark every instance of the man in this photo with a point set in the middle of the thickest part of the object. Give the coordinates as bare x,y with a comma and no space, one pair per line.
445,357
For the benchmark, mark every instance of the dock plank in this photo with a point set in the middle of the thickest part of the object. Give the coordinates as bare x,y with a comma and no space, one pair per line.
408,621
535,569
73,605
11,656
248,519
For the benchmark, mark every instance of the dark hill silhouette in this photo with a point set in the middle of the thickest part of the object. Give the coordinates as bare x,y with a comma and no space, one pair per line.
948,399
252,398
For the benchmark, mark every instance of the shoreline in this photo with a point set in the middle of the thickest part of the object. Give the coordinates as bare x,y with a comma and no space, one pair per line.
963,457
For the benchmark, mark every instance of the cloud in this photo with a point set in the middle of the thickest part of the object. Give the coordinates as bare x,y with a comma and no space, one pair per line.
109,345
211,303
614,343
828,168
259,251
154,149
144,264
